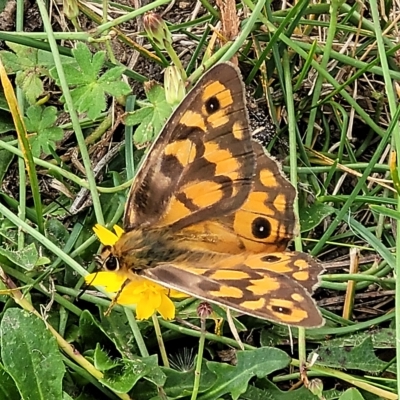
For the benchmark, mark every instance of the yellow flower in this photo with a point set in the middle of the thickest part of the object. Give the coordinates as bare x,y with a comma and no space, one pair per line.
130,288
148,296
107,237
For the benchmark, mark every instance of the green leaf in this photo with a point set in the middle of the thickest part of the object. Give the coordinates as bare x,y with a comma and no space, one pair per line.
123,378
177,385
120,334
91,332
30,66
386,211
8,390
361,357
6,123
102,361
27,258
235,379
351,394
41,121
312,216
150,118
5,156
266,390
31,84
137,116
30,355
89,94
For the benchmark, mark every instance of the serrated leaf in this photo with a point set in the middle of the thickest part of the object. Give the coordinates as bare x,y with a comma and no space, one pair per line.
31,84
41,121
123,379
273,392
235,379
177,384
152,118
102,361
30,355
382,338
89,94
351,394
137,116
312,216
120,334
361,357
91,332
25,258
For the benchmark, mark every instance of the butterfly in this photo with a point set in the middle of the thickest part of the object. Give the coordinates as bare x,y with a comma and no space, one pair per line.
211,215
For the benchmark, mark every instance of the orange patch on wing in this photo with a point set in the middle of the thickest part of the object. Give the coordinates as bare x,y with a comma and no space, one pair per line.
253,304
227,291
204,194
297,297
183,150
228,274
262,286
280,202
301,276
221,92
177,210
225,163
237,130
301,264
191,118
220,118
267,178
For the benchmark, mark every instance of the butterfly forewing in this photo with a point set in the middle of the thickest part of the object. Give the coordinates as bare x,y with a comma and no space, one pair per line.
202,163
268,289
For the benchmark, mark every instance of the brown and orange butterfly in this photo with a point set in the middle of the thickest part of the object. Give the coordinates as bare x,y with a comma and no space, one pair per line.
210,215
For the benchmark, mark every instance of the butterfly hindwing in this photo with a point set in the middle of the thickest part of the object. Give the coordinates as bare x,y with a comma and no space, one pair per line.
264,285
264,223
202,163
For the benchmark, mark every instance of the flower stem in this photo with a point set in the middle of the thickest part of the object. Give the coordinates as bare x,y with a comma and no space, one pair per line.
160,340
136,333
199,360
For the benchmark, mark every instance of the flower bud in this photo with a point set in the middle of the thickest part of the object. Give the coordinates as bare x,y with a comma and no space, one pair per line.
174,86
157,30
204,310
316,387
70,8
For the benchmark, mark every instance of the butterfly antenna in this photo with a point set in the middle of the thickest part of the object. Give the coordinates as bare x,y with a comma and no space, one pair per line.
114,301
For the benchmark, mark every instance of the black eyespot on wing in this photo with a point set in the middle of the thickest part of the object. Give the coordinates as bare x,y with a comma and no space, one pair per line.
261,228
271,259
281,310
112,264
212,105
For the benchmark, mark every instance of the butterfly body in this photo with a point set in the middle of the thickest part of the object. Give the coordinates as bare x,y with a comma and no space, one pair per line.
210,214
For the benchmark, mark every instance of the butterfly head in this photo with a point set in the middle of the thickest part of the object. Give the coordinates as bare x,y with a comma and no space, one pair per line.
107,260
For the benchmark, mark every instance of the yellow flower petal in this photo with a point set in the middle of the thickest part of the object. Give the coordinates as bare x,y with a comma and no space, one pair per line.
105,236
118,230
111,281
130,295
147,306
166,308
